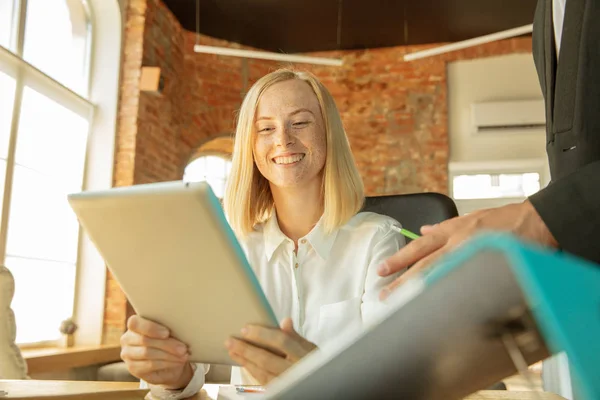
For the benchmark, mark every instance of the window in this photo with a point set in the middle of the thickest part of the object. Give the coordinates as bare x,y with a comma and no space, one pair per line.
56,40
211,162
7,94
45,117
480,185
490,186
212,169
6,17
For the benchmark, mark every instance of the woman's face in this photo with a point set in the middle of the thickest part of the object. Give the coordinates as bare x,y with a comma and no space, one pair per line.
289,140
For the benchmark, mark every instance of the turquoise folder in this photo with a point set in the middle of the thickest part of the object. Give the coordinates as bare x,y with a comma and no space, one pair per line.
445,337
563,295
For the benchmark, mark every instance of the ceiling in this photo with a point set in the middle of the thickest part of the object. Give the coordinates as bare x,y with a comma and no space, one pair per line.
317,25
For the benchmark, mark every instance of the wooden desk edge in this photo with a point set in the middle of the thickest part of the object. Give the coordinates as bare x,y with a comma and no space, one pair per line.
70,388
61,359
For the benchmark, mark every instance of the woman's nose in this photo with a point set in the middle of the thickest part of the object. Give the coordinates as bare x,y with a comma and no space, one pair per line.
284,136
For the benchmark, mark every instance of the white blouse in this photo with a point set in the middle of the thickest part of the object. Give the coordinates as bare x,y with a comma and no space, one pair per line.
331,285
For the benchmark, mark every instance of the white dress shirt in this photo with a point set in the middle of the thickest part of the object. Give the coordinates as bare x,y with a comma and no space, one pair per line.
330,286
558,17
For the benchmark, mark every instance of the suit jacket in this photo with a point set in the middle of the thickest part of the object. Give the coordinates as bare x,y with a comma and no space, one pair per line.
570,205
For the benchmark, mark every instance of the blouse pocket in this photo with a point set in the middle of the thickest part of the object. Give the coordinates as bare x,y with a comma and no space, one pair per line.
339,318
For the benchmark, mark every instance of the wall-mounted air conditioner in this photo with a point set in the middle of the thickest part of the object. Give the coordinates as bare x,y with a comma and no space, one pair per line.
508,116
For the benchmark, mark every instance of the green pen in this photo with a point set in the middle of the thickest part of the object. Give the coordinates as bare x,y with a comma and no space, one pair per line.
406,233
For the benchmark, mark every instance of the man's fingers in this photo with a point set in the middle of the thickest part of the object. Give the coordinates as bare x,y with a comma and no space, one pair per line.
147,328
427,229
255,355
412,252
386,291
430,259
171,346
411,273
416,269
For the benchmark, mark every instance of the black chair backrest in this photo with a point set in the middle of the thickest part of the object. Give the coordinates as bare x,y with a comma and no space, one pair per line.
413,210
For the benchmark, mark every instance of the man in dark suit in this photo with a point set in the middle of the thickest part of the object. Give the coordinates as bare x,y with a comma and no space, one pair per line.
566,214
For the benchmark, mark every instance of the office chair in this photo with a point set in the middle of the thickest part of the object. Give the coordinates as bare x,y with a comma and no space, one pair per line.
413,210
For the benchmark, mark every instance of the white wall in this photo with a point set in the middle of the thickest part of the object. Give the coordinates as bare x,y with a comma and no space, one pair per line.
511,77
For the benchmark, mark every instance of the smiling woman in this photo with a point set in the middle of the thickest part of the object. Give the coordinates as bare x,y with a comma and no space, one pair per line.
293,198
305,122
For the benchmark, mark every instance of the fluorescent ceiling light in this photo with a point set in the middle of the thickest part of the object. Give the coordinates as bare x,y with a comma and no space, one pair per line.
266,55
470,42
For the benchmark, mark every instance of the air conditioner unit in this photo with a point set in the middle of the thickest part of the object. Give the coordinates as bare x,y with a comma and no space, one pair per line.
513,116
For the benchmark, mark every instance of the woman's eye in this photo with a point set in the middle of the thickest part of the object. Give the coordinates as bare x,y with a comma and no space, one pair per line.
300,123
265,129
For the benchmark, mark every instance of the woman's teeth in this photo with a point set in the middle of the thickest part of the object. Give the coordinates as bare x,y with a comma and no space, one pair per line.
288,159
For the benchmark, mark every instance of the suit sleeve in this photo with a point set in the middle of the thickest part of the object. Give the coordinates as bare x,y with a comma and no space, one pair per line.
570,207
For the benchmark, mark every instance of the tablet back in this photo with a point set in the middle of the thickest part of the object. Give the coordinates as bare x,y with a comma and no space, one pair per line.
177,260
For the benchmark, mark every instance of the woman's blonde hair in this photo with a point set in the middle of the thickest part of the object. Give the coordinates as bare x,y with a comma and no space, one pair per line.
248,200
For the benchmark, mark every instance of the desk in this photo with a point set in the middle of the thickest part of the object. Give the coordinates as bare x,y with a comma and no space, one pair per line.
59,390
68,390
59,359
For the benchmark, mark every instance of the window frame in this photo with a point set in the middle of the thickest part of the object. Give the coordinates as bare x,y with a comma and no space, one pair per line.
99,107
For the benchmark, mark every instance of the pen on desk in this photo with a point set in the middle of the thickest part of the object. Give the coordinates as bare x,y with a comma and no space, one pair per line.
406,233
246,389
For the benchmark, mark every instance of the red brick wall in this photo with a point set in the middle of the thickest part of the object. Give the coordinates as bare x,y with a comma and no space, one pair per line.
158,156
395,112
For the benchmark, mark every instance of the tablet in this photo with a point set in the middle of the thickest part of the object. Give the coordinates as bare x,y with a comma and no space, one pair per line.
177,260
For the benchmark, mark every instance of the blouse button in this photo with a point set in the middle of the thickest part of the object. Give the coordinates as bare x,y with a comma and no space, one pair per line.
296,266
303,241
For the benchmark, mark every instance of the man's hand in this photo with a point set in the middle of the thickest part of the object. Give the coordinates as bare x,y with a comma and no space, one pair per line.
520,219
287,347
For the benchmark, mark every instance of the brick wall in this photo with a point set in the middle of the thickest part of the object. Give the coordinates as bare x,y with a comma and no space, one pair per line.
157,156
395,112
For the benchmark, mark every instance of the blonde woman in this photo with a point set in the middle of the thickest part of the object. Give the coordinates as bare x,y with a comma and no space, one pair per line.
293,198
